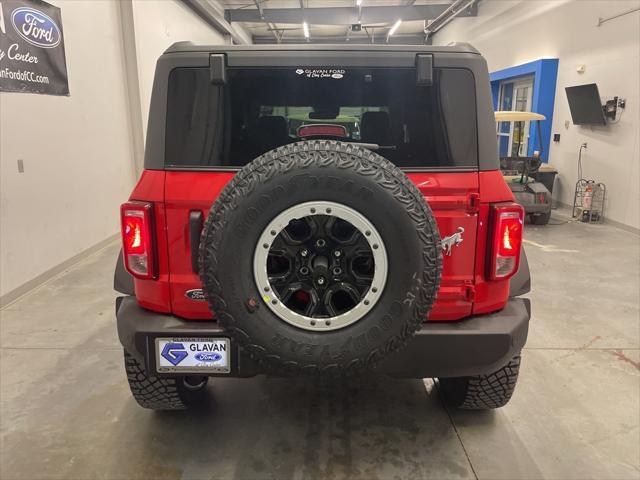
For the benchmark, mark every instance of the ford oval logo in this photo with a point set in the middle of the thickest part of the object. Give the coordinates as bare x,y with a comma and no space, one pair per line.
35,27
208,357
195,294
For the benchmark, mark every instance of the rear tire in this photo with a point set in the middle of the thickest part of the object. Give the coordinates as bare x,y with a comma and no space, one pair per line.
161,393
482,392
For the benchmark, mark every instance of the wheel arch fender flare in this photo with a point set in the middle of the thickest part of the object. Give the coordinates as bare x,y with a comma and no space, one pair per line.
123,280
520,283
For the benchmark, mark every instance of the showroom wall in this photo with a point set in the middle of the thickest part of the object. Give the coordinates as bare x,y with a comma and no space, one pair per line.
158,24
78,151
511,33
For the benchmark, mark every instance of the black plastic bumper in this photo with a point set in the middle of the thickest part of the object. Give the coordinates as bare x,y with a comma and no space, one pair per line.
473,346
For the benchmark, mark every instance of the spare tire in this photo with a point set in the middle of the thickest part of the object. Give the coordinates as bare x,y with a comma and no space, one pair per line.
320,257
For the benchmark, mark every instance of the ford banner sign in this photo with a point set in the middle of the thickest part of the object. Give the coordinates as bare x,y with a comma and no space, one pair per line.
32,58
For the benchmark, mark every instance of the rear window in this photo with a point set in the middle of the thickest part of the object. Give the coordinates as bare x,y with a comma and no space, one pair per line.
260,109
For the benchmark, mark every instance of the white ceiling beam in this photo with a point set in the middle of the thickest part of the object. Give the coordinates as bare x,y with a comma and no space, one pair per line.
213,13
340,15
456,9
402,39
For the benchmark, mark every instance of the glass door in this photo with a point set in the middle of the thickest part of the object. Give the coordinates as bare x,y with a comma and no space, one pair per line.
513,137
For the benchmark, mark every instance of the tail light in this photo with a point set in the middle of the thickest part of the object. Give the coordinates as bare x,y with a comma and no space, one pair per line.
508,223
137,239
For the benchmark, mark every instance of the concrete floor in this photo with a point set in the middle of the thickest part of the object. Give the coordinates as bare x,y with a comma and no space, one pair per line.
66,411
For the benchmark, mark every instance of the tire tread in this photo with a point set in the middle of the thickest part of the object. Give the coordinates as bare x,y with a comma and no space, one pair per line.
152,392
484,392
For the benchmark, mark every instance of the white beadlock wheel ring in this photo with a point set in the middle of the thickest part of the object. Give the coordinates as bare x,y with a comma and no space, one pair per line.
309,209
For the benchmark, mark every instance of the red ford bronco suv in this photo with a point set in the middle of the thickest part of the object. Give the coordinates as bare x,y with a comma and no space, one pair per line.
377,234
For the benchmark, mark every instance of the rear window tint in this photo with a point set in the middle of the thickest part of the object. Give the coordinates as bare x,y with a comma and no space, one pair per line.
261,109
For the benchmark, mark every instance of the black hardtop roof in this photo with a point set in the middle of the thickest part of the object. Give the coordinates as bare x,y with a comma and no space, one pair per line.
188,47
189,55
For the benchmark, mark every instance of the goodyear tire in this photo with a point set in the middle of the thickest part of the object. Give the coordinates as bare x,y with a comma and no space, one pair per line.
482,392
157,393
320,258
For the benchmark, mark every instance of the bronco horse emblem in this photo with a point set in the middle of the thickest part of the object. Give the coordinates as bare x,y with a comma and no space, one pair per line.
452,241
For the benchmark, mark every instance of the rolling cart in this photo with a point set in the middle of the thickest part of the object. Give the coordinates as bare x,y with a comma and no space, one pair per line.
588,201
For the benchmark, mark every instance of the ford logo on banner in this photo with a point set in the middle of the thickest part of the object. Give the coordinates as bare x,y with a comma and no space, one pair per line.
35,27
208,357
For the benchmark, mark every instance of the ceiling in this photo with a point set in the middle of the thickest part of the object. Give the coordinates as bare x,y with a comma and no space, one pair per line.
332,21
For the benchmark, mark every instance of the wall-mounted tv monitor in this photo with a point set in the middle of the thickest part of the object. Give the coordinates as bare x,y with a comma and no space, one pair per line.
585,105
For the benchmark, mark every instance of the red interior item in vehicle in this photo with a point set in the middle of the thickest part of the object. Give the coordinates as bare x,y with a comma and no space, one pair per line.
322,130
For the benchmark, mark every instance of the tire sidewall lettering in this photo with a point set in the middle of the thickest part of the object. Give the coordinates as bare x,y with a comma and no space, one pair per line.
299,182
352,344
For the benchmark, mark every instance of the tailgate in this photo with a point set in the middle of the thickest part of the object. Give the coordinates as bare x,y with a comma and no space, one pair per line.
452,197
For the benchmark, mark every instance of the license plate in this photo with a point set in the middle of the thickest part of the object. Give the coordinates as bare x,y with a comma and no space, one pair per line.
193,355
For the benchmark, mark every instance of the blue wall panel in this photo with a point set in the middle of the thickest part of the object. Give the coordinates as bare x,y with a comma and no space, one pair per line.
545,73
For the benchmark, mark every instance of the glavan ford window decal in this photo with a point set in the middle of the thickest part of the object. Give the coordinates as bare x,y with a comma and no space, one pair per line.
335,73
32,56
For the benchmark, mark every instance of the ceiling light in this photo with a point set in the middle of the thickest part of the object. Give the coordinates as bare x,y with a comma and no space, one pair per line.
358,2
305,29
395,27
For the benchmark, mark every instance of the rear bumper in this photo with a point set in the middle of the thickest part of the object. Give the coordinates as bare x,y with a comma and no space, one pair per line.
474,346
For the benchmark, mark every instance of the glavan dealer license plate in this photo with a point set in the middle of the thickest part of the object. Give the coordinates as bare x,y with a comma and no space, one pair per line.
193,355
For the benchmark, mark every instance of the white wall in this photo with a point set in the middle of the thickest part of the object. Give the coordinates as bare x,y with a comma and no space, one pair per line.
510,33
158,24
78,150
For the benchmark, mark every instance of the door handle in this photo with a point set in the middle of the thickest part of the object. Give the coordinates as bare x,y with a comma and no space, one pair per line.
195,230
